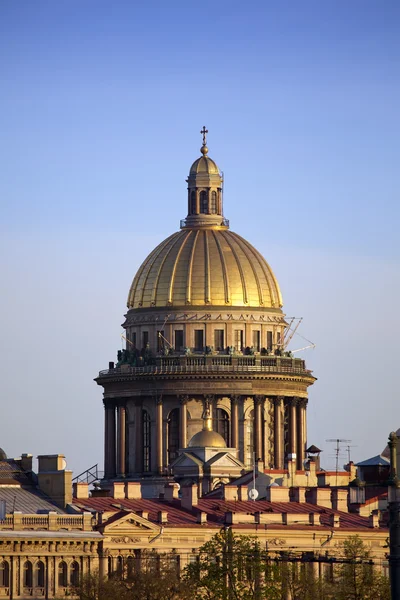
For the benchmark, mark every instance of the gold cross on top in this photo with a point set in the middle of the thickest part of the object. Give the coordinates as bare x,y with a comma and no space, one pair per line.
204,132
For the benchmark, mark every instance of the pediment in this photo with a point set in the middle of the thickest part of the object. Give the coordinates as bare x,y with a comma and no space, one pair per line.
186,459
130,523
224,459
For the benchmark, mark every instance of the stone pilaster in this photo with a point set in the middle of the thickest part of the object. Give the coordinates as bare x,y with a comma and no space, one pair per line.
278,433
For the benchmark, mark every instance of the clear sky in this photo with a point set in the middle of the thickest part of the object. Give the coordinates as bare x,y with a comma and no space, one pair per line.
101,104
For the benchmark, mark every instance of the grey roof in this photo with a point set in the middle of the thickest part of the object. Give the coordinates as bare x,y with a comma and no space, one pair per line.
375,461
27,500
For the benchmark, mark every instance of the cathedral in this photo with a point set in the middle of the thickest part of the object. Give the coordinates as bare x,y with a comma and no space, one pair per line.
205,363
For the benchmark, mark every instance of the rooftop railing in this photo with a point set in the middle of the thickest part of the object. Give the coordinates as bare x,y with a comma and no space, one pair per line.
50,522
212,364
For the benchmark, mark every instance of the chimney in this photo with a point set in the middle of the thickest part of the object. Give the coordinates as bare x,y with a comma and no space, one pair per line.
162,516
190,496
374,518
230,492
202,518
118,490
54,480
334,520
143,513
243,492
320,496
171,491
133,490
298,494
80,490
339,499
277,493
26,462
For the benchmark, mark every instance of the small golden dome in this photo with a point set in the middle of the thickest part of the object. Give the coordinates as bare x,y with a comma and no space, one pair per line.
207,439
204,164
205,267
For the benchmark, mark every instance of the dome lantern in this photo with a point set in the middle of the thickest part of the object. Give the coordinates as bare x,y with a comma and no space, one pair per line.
205,187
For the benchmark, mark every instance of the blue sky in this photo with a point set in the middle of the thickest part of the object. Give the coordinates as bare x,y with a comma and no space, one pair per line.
101,106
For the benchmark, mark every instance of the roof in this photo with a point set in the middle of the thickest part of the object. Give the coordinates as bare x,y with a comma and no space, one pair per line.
27,500
204,267
374,461
216,509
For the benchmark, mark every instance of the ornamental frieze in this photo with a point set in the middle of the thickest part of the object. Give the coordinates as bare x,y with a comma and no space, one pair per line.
207,317
125,540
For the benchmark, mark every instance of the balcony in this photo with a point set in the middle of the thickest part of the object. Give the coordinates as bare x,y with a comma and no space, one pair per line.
211,364
49,522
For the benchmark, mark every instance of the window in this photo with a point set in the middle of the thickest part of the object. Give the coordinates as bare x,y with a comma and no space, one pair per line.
62,574
145,338
238,339
278,338
193,203
173,434
219,339
203,202
199,340
269,341
146,441
178,340
221,424
4,574
213,203
160,341
120,567
40,574
74,574
130,566
133,340
256,341
27,574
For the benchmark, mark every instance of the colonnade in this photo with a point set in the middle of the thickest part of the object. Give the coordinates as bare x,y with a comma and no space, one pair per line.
287,426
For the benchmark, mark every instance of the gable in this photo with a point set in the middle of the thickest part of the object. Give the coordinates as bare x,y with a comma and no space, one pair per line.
130,523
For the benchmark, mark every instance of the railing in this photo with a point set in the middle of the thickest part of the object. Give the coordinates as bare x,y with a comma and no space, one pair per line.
189,222
212,364
49,522
89,476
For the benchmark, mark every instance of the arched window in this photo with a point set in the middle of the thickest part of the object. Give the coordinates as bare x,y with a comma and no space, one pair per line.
130,566
173,434
62,574
213,203
146,441
193,203
40,574
250,438
4,574
204,202
74,574
27,574
221,424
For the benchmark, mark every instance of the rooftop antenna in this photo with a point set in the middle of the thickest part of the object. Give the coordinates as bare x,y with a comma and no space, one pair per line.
337,450
348,451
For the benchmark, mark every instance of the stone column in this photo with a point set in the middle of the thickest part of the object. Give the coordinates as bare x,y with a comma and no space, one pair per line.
138,437
106,440
235,421
121,440
159,433
292,425
183,400
109,443
258,400
301,442
278,433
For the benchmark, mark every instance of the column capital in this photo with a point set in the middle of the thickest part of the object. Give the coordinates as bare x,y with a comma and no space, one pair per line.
302,402
277,400
184,399
209,398
293,401
258,399
235,398
158,397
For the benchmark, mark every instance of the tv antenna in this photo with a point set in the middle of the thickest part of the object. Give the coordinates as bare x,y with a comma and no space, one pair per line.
338,441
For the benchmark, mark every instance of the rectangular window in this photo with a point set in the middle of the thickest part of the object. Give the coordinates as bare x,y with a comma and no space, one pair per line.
133,340
199,340
278,338
269,341
160,341
256,341
178,340
145,338
238,339
219,339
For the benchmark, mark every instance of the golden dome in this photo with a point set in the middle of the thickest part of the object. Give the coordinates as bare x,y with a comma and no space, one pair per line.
207,439
204,267
204,164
